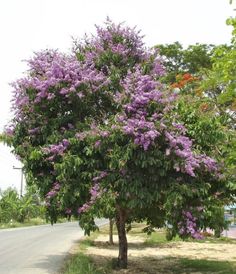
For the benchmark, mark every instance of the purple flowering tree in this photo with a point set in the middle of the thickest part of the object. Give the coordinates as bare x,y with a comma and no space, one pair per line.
97,128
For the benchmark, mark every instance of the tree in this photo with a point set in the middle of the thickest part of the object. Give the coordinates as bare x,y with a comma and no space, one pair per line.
19,209
99,123
199,105
220,81
204,76
8,205
219,85
177,60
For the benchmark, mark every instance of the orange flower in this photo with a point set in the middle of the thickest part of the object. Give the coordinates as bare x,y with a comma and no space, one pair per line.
204,107
187,76
182,83
174,85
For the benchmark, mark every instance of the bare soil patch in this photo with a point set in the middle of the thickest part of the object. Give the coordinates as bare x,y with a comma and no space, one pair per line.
161,258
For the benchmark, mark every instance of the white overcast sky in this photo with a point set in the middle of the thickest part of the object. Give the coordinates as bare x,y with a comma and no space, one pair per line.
31,25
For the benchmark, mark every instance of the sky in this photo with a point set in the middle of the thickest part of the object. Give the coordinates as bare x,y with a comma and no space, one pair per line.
27,26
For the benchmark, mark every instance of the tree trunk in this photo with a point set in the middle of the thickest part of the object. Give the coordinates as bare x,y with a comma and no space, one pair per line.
111,222
123,246
217,232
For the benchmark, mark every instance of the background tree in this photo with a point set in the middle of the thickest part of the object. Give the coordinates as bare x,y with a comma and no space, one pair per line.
208,122
14,208
8,205
220,82
99,122
178,60
205,82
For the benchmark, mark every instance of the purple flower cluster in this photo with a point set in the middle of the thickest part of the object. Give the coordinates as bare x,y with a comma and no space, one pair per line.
68,211
209,163
97,143
34,131
94,131
188,227
155,62
119,39
9,130
51,69
137,122
158,69
101,175
95,192
145,125
52,193
144,132
56,149
181,146
124,44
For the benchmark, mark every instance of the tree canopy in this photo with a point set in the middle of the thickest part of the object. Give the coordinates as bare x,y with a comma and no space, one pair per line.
99,123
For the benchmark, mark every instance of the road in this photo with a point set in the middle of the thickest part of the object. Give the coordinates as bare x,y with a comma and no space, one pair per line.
38,249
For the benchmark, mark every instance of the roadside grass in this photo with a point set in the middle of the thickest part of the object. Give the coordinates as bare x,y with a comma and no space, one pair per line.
81,264
206,266
85,260
31,222
158,237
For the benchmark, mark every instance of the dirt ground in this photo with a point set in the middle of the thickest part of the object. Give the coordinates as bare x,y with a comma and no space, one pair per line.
162,258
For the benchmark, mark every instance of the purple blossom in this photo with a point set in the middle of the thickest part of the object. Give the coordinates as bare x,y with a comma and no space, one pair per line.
65,143
51,158
80,135
182,147
51,96
50,69
101,175
104,133
70,126
51,194
68,211
97,143
34,131
95,192
114,127
180,127
188,226
56,186
56,149
188,214
9,131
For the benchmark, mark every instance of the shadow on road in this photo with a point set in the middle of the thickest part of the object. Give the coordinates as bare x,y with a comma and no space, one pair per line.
51,264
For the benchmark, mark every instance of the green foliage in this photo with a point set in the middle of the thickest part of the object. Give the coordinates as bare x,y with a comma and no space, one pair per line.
19,209
220,82
215,214
206,107
9,205
178,60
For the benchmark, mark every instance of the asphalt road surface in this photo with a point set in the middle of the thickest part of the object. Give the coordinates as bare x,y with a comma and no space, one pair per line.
38,249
